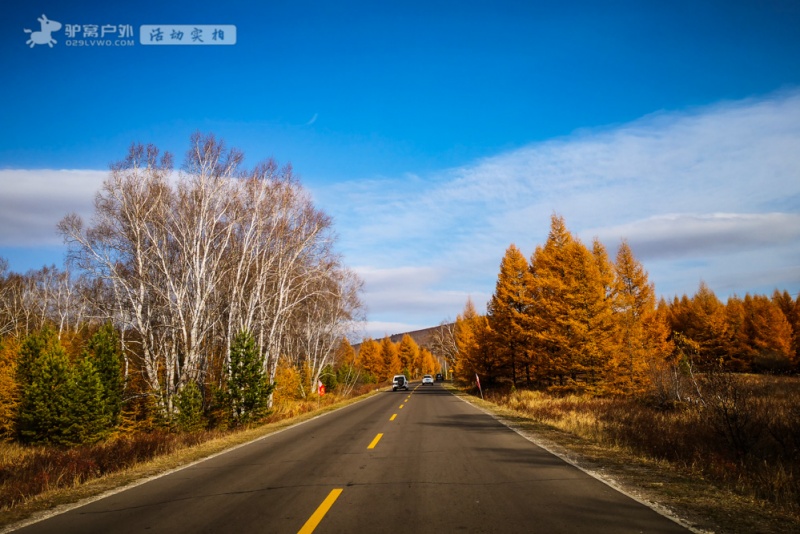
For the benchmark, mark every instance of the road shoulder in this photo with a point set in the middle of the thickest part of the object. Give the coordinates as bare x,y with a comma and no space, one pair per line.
691,501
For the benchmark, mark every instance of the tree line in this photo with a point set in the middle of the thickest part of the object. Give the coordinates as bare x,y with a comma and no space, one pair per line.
208,278
381,360
570,319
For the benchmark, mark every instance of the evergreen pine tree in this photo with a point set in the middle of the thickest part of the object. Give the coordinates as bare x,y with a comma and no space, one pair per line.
740,357
549,313
247,387
189,402
43,375
105,352
591,321
89,419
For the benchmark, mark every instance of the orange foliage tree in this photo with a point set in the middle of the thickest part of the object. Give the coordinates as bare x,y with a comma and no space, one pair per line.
408,353
475,351
9,392
369,358
642,333
391,360
507,314
570,318
791,310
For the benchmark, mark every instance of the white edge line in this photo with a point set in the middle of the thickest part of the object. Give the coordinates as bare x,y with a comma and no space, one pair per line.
64,508
659,509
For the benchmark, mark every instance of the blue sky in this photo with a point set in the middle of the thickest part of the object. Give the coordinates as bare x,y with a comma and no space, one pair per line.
437,133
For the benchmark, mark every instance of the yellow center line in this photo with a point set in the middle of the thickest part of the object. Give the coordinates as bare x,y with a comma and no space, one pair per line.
392,417
375,441
317,516
401,406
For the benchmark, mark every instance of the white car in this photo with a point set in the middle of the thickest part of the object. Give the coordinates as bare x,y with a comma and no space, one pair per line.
427,379
399,382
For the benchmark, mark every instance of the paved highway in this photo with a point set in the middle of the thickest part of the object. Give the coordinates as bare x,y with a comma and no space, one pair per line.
419,461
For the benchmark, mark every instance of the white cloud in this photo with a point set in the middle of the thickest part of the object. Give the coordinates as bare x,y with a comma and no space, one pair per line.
686,235
710,193
32,202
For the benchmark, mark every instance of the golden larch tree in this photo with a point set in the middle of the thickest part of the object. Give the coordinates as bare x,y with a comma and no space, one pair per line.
391,361
369,359
9,391
570,318
507,312
706,325
791,310
428,363
474,351
345,353
769,333
643,334
408,352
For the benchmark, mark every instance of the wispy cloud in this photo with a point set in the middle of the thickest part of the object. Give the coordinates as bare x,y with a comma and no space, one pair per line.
710,193
686,235
32,202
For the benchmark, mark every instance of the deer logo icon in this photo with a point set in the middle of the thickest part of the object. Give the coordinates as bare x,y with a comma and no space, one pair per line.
43,36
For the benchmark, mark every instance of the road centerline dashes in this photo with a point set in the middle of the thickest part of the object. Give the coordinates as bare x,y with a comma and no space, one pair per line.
320,512
375,441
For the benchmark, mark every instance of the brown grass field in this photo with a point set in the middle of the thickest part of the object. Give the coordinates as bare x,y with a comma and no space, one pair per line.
735,452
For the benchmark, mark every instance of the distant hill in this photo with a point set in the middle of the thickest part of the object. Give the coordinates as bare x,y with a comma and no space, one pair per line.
422,337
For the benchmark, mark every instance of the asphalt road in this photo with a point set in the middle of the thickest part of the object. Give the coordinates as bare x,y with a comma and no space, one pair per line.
422,461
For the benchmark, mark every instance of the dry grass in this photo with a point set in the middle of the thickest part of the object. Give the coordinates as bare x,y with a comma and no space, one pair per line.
33,480
732,456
